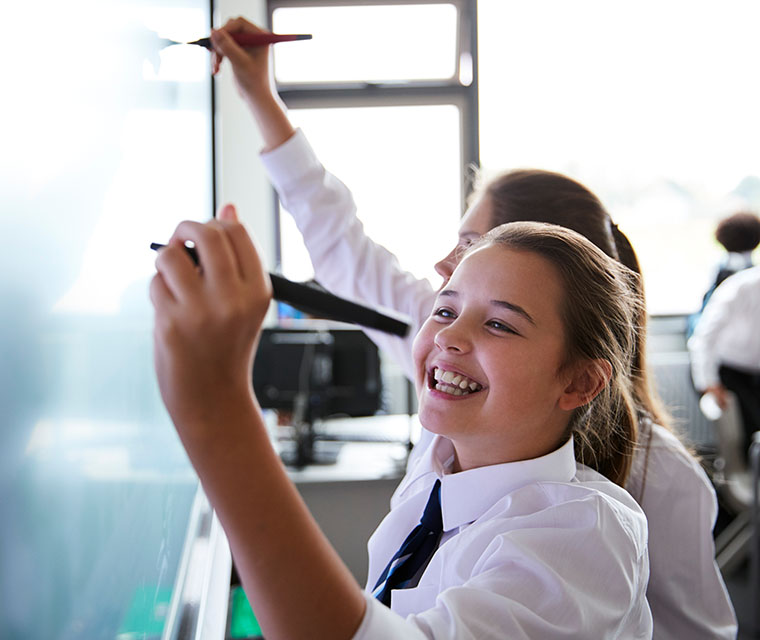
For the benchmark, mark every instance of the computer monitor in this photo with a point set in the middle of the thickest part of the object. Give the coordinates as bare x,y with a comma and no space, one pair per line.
317,374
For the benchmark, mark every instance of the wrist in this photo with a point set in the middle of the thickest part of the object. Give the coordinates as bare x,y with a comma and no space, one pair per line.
216,418
272,120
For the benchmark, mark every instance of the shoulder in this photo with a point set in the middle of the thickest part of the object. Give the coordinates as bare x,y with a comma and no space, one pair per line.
590,507
663,469
746,281
669,456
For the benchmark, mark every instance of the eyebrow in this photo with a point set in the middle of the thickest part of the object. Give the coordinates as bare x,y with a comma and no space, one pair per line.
499,303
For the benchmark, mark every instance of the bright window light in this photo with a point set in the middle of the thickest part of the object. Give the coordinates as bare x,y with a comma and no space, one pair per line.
652,105
367,43
403,167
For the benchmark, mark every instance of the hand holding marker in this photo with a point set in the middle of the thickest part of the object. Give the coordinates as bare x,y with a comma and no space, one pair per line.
323,304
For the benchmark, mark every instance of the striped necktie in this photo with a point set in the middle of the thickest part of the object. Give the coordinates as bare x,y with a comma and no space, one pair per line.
415,552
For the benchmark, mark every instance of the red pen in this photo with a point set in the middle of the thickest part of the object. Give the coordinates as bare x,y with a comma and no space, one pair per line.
256,39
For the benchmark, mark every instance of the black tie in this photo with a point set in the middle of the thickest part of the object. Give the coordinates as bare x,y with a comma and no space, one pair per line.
415,551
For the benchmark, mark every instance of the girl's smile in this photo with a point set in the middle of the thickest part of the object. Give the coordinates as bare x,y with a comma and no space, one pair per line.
451,382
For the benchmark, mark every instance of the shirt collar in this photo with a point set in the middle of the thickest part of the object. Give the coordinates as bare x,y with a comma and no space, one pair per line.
737,261
467,495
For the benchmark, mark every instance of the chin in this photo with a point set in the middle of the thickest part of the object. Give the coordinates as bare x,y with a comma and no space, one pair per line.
441,423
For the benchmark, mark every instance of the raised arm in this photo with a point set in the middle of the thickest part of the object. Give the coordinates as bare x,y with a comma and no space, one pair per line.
207,323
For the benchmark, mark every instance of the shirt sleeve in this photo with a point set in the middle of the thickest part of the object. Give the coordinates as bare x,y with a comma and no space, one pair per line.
346,261
704,343
380,623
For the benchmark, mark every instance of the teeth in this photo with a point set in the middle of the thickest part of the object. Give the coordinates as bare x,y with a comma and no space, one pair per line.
454,391
453,383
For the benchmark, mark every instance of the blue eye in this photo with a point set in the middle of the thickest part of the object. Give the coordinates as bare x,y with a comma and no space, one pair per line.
443,312
500,326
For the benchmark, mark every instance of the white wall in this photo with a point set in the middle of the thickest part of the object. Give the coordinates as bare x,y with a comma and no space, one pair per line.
240,177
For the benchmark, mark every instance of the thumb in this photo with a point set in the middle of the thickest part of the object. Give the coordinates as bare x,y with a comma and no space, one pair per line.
228,213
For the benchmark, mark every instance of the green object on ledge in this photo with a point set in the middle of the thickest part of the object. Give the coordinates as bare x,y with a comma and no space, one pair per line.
243,623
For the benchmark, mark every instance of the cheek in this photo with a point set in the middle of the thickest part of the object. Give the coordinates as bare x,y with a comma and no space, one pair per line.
421,349
528,381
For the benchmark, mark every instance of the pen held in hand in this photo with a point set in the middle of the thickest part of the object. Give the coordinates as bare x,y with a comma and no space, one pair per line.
255,39
324,305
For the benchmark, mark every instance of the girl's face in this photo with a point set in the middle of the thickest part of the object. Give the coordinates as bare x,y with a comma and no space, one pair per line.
488,359
477,221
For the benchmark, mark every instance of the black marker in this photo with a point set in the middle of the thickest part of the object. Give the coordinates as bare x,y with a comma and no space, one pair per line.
323,304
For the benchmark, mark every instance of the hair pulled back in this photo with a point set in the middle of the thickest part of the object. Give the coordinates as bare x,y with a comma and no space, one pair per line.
600,314
534,195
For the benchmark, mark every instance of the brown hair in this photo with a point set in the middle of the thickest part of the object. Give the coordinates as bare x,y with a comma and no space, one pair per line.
545,196
648,401
739,232
600,314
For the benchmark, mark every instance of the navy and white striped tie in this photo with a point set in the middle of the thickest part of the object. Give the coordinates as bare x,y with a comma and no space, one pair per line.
415,551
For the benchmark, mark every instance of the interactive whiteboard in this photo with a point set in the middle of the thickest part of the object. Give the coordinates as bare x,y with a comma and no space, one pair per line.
105,144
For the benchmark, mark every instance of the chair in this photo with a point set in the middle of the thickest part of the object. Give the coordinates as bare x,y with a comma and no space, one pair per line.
736,485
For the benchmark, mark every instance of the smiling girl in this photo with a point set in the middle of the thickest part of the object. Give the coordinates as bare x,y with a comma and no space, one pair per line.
522,376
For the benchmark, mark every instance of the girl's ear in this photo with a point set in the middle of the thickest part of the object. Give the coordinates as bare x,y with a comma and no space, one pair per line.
589,378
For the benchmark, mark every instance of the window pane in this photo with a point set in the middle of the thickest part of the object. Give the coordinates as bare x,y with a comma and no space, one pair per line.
406,186
652,105
367,43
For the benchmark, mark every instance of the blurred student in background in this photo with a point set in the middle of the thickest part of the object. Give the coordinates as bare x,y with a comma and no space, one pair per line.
725,347
739,234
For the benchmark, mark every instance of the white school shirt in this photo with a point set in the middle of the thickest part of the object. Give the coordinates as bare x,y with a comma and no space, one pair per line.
686,591
728,332
541,548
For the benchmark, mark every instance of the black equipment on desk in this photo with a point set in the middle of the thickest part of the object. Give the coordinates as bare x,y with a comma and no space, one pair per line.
316,374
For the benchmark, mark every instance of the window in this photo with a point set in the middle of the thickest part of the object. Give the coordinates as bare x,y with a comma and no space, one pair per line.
395,85
400,195
391,43
652,105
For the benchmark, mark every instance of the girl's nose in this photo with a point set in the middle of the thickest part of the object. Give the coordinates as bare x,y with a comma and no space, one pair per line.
446,267
454,337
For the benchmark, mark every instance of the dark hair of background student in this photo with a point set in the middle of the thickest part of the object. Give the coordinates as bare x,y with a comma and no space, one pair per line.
739,232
